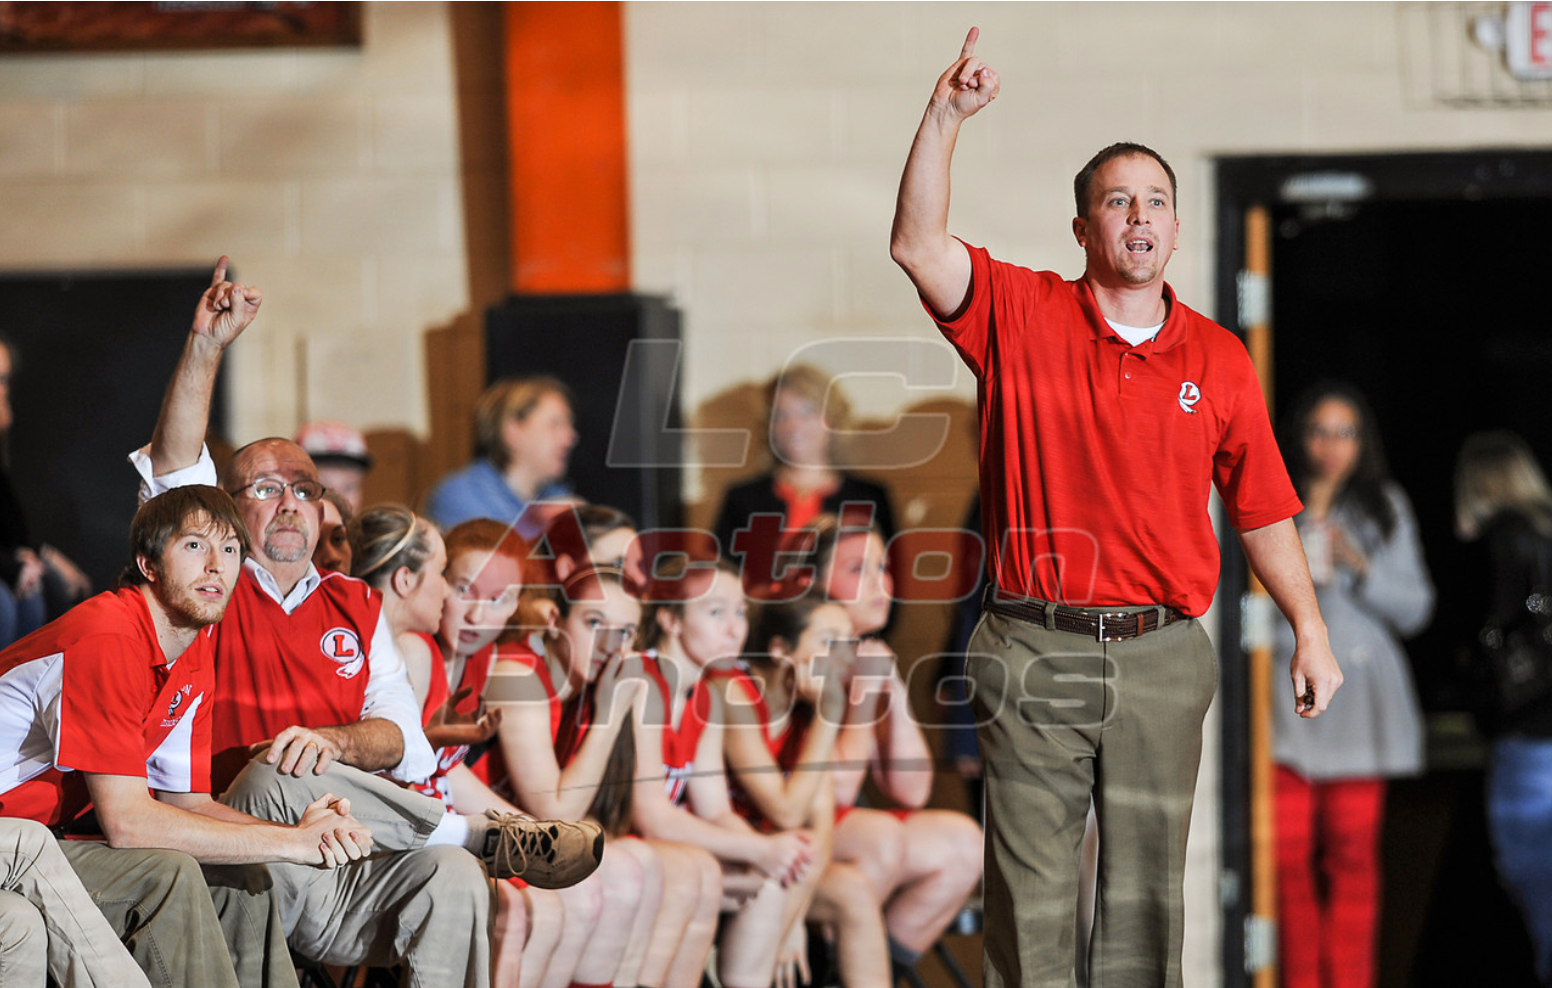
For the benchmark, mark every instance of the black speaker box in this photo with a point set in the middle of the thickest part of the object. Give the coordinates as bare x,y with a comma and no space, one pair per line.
620,356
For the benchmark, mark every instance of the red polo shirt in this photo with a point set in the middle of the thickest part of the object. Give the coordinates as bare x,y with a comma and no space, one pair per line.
1098,458
92,692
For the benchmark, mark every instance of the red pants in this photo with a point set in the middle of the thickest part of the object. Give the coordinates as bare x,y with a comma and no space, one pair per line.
1328,879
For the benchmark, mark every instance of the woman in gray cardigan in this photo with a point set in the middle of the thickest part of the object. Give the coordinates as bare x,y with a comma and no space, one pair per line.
1329,789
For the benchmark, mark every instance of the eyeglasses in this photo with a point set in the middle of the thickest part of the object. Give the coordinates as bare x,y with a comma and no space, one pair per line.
268,490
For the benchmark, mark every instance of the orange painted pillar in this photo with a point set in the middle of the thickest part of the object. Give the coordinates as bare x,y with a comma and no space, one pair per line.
565,91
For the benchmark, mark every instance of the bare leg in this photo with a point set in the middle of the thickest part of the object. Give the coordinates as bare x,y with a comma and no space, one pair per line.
583,902
619,879
845,901
752,938
639,940
689,962
874,841
546,923
943,858
508,936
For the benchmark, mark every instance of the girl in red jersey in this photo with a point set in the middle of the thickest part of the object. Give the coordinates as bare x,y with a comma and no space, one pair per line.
922,864
784,718
698,616
580,761
404,557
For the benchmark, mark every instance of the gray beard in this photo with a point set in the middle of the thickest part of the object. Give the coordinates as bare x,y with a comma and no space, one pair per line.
275,554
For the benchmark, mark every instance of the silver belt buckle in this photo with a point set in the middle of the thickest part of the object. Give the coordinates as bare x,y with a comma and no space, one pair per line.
1106,636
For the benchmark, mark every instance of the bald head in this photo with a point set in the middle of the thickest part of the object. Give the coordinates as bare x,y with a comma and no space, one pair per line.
239,470
284,530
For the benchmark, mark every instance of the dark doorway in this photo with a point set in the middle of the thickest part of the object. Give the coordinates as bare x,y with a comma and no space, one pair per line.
94,352
1413,277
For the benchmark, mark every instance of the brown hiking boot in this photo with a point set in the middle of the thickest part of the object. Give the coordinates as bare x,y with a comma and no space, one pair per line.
547,854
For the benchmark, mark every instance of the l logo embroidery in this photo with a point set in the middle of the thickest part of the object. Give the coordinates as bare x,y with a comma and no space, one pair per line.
341,645
177,700
1190,394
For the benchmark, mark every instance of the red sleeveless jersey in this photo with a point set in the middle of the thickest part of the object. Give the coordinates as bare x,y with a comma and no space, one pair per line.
275,670
493,767
437,693
784,746
681,740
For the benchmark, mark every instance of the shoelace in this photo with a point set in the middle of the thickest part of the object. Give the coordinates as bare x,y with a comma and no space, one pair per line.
508,832
501,825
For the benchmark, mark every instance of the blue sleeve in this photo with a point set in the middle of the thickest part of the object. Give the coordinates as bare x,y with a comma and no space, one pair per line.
455,500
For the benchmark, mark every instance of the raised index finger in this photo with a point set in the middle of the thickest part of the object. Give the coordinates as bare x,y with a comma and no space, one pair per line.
965,52
220,274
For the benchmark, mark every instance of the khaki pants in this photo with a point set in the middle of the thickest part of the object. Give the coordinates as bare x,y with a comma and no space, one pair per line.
48,924
186,925
1063,717
429,907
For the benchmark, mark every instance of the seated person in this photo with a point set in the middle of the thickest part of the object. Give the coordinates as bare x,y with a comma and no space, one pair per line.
333,552
340,454
524,434
804,482
311,686
129,673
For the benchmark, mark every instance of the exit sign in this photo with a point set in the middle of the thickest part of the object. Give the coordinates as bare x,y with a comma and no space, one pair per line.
1529,39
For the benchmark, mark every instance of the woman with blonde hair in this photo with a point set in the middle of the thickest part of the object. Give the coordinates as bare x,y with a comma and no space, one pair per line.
524,434
1503,501
806,413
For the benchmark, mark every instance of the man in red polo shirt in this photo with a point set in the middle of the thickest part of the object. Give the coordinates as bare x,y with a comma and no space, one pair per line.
1108,412
110,705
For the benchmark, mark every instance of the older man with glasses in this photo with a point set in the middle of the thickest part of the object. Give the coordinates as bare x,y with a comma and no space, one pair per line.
311,687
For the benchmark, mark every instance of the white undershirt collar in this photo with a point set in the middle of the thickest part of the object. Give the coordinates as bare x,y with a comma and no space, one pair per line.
1134,335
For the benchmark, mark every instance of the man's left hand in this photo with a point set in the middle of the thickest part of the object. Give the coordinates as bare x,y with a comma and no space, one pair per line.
1316,678
299,750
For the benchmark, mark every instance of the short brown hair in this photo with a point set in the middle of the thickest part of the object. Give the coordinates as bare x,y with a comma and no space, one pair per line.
1085,178
510,398
169,514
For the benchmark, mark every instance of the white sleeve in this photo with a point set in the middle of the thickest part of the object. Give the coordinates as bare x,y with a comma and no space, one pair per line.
203,471
390,697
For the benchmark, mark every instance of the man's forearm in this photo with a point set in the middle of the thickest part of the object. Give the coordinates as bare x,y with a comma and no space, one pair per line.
188,822
921,208
372,745
180,428
1277,557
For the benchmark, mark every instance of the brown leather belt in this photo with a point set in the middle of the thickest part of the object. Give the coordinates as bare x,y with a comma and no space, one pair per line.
1098,624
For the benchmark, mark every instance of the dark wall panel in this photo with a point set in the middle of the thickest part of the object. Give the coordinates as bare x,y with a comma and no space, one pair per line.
95,352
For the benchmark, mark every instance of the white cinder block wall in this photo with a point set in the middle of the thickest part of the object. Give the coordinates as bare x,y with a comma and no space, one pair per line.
330,176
